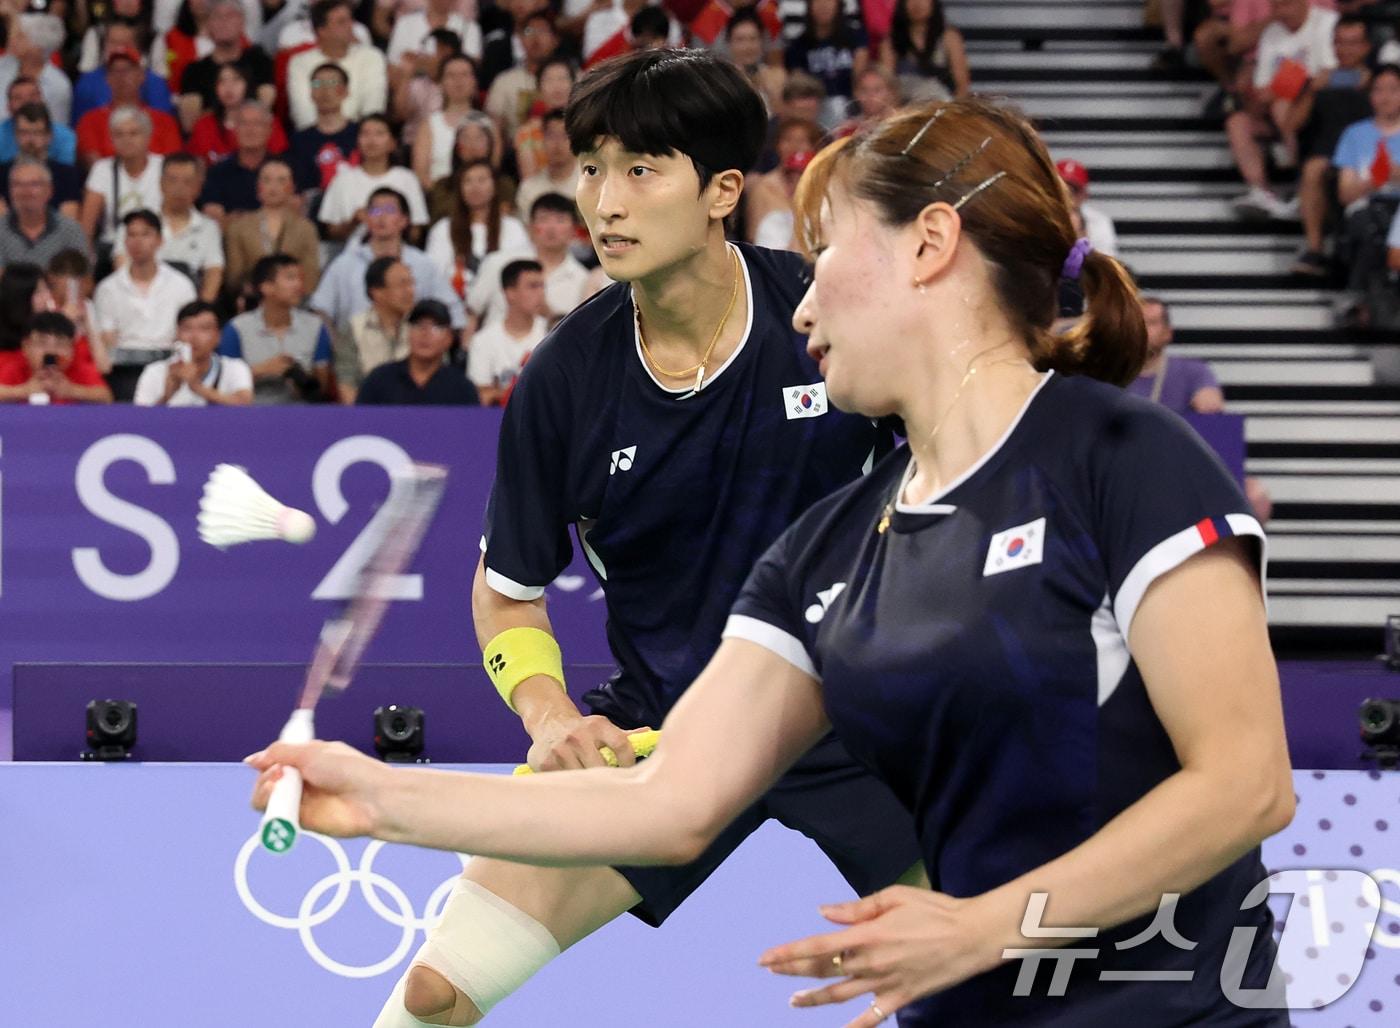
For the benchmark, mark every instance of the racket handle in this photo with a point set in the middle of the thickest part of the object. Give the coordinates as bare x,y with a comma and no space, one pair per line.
643,744
281,821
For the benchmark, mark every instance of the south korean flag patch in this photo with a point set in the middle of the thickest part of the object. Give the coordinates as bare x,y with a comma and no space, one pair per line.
1018,547
807,401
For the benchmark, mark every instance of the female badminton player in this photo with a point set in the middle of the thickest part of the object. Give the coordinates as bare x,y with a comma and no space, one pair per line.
1040,622
677,423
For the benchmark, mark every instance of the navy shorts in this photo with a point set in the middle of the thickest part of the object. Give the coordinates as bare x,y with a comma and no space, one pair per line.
851,815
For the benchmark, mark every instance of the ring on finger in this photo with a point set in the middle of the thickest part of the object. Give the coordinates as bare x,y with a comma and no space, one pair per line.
837,961
875,1009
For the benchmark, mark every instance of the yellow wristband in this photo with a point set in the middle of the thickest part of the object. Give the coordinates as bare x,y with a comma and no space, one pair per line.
520,653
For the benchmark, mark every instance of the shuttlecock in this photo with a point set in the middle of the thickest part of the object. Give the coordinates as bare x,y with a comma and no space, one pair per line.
235,509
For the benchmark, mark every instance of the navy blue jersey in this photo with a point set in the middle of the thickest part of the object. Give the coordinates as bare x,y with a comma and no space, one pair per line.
673,494
974,657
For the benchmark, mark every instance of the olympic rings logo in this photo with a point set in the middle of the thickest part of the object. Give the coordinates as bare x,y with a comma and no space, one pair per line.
370,883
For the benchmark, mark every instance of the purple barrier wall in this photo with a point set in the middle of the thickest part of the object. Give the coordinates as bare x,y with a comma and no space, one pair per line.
101,562
1225,434
201,712
136,897
1320,702
223,711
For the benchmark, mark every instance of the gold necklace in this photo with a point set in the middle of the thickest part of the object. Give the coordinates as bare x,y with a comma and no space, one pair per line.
700,368
972,368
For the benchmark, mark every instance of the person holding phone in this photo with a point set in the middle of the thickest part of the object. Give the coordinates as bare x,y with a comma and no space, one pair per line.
196,376
45,369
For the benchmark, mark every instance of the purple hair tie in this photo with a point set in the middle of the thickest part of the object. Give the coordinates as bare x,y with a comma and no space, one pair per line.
1074,263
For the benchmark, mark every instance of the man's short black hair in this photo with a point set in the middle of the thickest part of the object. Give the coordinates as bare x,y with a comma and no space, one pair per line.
1385,69
511,273
321,11
554,114
549,62
321,69
194,309
1352,20
266,269
381,119
652,22
180,157
447,39
52,323
148,217
746,15
553,203
19,80
664,102
378,272
35,112
70,263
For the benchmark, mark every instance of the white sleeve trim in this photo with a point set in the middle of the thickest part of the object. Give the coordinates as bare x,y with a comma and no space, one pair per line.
1171,553
511,588
772,639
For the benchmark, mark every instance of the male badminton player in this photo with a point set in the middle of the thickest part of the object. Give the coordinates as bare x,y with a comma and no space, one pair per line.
677,424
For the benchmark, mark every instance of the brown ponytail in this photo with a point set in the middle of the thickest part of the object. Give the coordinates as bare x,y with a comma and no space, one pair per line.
1110,342
989,164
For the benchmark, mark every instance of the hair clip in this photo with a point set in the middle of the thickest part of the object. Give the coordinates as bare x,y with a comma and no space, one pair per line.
920,134
962,163
983,185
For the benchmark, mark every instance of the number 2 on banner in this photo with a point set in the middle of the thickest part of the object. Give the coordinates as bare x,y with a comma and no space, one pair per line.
339,582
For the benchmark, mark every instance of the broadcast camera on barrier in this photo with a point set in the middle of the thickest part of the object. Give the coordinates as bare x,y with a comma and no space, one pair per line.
1380,731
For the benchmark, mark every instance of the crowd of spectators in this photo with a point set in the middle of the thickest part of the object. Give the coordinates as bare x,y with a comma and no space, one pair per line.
274,201
1309,91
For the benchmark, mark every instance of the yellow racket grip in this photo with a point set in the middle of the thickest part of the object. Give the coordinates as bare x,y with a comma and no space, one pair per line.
642,744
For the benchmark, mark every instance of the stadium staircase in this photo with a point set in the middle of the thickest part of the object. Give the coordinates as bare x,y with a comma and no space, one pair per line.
1322,435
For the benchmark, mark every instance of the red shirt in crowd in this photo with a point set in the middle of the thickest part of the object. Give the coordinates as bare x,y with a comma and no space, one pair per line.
211,140
95,136
81,371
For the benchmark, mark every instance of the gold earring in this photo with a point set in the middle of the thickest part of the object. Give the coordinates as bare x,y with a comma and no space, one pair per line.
921,286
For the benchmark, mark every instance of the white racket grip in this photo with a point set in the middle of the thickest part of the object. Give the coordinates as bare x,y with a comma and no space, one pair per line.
281,821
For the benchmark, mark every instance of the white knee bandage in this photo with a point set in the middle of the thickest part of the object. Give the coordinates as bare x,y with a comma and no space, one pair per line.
485,946
395,1014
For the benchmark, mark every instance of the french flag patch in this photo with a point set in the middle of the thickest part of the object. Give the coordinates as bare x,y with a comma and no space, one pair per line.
807,401
1018,547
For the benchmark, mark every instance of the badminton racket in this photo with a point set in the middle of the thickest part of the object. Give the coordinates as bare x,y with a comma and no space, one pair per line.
643,743
414,495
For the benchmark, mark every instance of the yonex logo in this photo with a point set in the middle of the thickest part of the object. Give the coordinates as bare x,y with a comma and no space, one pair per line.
277,836
622,459
825,598
497,663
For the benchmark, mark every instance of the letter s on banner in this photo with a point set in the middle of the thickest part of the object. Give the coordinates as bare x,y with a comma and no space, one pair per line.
159,536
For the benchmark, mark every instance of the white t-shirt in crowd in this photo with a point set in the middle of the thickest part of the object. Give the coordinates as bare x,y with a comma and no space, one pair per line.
411,35
514,240
142,317
132,194
351,187
1098,226
197,246
225,375
495,356
563,287
1311,46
